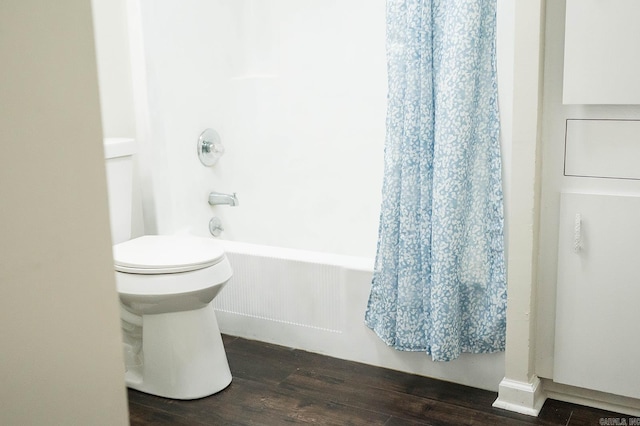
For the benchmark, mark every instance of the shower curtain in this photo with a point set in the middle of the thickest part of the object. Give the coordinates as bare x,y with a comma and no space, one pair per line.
439,284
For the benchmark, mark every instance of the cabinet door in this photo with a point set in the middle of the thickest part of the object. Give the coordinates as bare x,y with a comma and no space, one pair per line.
601,58
597,338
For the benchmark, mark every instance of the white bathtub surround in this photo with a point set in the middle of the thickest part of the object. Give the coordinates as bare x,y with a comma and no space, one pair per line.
316,302
298,99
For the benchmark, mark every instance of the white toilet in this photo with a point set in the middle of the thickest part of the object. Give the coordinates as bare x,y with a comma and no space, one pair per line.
172,343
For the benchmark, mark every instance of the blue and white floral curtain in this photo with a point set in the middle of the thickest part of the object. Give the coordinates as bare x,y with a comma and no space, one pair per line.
439,283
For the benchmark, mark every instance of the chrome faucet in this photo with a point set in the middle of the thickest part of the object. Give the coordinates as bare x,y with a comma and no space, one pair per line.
216,198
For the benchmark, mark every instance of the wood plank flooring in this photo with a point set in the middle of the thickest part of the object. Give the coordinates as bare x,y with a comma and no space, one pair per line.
274,385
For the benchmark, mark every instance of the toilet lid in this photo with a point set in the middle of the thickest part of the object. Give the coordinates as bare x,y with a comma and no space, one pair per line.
160,254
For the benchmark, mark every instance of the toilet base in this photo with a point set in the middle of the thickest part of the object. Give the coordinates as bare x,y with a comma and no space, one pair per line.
182,355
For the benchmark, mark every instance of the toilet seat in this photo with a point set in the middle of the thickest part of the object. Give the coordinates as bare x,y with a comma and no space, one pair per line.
161,254
153,266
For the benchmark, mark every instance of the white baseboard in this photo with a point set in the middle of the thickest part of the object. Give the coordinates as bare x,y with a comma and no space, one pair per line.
591,398
521,397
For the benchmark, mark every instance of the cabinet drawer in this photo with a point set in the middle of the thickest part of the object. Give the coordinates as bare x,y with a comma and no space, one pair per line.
602,148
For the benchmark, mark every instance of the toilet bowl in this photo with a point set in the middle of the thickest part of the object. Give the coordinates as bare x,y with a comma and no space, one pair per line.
173,346
172,343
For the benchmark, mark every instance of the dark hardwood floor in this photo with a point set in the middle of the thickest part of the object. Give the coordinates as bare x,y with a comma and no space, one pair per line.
274,385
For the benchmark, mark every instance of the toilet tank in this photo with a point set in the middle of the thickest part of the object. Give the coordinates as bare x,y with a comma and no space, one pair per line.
118,154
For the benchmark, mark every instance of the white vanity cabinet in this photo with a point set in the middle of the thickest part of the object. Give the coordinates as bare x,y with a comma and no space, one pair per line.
597,336
597,323
601,56
587,338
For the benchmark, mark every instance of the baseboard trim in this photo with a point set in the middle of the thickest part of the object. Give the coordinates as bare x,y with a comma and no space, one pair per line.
521,397
591,398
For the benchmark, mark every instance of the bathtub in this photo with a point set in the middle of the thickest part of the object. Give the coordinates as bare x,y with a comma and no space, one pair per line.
316,302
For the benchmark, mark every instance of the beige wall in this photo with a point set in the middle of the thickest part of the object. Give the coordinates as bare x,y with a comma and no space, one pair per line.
60,351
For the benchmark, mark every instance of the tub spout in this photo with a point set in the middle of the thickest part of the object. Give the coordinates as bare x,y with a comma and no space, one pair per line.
216,198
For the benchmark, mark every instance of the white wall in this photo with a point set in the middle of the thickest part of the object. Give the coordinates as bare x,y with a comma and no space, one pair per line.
115,82
114,68
505,57
61,357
